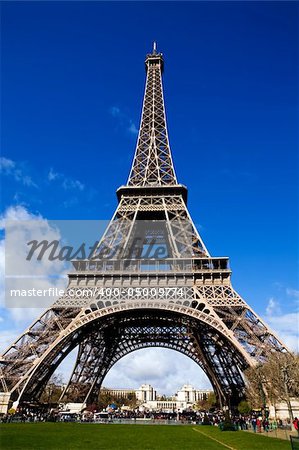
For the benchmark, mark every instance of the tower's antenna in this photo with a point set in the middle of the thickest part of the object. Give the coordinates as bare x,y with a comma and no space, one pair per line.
154,48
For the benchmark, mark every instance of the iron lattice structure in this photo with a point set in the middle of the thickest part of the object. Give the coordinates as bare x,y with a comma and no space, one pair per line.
188,304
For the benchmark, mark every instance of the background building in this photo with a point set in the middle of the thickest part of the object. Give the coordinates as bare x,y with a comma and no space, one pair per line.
118,393
146,393
191,395
147,398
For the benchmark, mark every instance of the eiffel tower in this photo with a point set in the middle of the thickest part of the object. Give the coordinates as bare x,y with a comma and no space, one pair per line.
183,300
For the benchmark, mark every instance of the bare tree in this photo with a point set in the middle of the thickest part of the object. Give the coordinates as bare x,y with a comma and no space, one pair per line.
207,402
275,380
53,389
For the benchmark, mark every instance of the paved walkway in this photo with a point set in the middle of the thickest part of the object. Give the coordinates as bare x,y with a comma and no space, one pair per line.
279,433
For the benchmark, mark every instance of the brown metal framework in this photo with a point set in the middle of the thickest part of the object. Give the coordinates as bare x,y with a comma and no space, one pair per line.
188,304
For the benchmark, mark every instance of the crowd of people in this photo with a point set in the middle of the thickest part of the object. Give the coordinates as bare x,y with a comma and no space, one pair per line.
255,422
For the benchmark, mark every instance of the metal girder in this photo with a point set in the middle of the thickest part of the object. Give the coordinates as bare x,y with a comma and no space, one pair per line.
141,329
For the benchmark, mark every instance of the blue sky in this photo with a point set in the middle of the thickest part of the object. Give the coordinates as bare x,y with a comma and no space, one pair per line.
72,85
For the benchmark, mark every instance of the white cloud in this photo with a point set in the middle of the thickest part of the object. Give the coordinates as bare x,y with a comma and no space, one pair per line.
52,175
286,326
115,111
273,307
13,169
6,164
22,226
293,293
124,120
66,182
17,213
166,370
132,128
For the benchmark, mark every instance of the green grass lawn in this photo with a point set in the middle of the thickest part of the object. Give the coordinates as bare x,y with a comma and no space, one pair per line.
71,436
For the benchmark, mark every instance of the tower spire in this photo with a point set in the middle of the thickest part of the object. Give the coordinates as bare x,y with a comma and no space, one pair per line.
152,164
